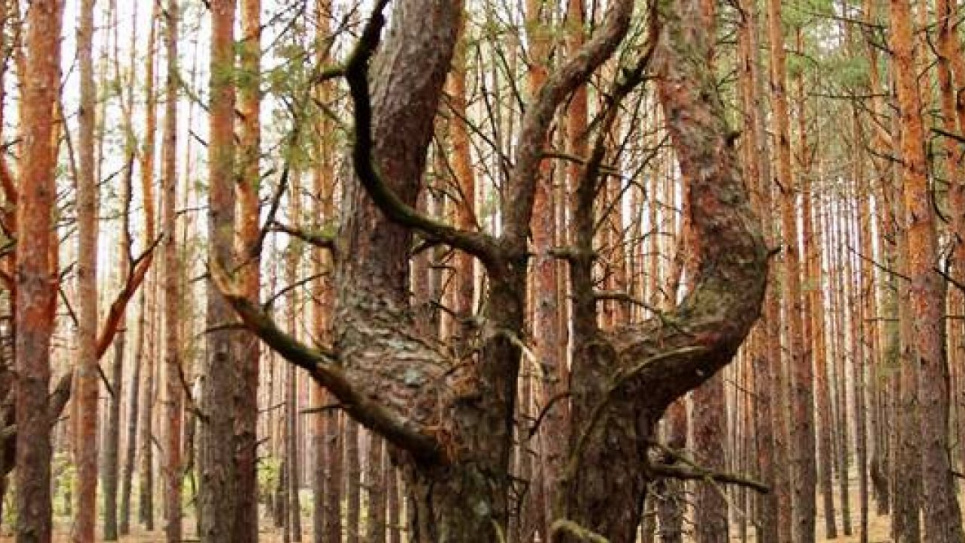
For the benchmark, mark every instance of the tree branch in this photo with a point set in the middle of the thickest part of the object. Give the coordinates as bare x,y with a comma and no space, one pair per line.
539,116
114,315
322,366
694,472
478,244
323,240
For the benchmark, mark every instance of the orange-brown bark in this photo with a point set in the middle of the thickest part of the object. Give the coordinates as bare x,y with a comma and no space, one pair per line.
218,496
248,227
324,430
803,468
87,375
757,171
172,371
36,280
942,516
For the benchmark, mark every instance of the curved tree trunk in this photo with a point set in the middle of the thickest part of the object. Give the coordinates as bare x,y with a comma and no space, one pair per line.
637,371
450,422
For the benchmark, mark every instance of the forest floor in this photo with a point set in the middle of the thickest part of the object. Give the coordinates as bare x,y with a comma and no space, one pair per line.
878,526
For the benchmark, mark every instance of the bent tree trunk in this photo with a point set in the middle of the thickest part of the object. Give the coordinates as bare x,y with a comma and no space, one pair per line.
623,381
449,421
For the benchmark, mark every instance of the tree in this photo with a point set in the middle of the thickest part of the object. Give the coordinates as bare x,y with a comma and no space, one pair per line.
942,516
249,261
172,347
452,427
36,279
219,468
87,376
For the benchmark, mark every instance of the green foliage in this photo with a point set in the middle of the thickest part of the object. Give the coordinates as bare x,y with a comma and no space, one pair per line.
269,473
64,473
9,511
850,72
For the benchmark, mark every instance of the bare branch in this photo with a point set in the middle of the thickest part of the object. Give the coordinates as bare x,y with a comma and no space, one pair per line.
322,240
692,471
539,116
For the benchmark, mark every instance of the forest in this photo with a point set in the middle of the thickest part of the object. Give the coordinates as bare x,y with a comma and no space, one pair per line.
472,271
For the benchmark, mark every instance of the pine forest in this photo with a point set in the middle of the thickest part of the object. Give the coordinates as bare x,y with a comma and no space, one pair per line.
482,271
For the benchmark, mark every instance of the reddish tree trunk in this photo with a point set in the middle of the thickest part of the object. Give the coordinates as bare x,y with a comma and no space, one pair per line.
36,281
87,377
245,528
172,347
942,515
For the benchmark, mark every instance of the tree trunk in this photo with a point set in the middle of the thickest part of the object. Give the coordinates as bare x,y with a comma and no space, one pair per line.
245,396
173,471
709,403
147,189
322,294
942,516
603,486
36,281
219,468
451,422
375,488
767,355
353,483
134,406
394,504
802,408
87,377
145,482
672,506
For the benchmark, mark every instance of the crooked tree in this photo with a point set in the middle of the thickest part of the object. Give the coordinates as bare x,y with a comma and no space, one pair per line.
449,420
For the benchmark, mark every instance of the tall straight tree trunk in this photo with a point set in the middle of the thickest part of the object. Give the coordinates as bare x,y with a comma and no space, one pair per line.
815,308
353,483
802,409
36,281
545,279
173,393
817,313
294,523
951,49
293,252
767,359
112,431
942,516
394,505
245,528
951,73
87,376
145,479
322,293
111,460
134,407
858,363
465,212
375,487
839,355
147,191
219,468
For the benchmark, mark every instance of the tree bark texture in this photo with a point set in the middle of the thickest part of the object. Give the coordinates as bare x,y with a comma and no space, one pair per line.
36,280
